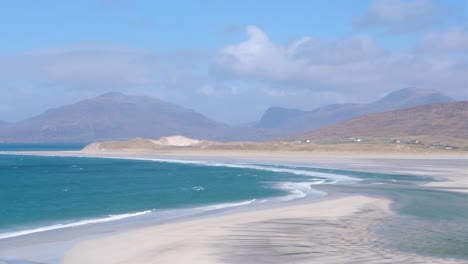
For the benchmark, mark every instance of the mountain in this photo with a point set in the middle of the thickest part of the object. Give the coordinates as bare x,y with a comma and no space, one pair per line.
112,116
117,116
409,97
3,123
278,116
289,121
437,121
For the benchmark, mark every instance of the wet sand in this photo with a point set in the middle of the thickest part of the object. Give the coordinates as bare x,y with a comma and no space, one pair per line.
334,231
341,230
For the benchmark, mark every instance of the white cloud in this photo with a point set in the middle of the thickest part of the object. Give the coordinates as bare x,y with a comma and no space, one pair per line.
255,73
399,16
208,89
100,68
302,60
454,39
62,75
349,66
78,68
257,57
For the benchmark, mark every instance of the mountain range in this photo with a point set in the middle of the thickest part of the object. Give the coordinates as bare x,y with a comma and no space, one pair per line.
292,121
440,126
119,116
111,116
435,121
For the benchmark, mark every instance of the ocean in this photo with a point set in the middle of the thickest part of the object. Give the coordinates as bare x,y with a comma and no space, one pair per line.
41,193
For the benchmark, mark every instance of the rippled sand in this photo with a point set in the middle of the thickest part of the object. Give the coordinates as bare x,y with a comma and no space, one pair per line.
335,231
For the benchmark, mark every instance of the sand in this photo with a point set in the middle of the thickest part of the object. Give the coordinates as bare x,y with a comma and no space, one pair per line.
333,231
211,240
341,230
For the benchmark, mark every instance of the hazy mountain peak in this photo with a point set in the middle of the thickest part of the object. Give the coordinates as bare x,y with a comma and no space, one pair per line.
118,116
117,96
413,92
112,95
409,97
275,116
410,92
137,100
112,116
439,119
296,120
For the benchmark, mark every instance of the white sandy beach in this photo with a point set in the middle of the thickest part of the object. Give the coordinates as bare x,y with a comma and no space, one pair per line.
333,231
227,238
330,231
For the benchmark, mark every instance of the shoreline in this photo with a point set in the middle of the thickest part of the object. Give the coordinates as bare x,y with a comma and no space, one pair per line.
418,164
51,246
198,241
414,164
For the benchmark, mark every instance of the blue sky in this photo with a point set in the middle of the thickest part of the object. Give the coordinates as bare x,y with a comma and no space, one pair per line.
214,55
168,25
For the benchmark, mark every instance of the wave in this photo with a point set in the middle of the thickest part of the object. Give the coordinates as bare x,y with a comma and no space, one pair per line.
223,205
336,177
73,224
296,190
299,190
110,218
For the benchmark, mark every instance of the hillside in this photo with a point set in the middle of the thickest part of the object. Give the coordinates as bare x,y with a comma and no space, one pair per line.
421,129
288,121
112,116
446,121
275,117
115,116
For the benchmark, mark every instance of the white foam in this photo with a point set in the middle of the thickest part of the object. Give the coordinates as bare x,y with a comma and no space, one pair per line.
298,190
73,224
190,211
225,205
111,218
336,177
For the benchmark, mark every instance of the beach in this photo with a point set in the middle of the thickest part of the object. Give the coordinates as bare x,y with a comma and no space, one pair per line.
451,167
289,234
342,227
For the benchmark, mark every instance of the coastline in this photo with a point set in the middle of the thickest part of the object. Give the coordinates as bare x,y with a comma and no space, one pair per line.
450,168
216,239
374,209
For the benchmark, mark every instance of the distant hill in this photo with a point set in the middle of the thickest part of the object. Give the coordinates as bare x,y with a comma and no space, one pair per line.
112,116
3,123
115,116
278,116
443,121
288,121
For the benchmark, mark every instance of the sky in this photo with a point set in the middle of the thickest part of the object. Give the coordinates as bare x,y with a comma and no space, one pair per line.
229,60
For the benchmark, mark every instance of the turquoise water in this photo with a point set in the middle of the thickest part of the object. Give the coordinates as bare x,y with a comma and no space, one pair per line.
45,193
40,191
432,222
41,146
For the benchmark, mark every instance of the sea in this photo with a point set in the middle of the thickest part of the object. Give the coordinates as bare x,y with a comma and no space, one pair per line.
44,193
